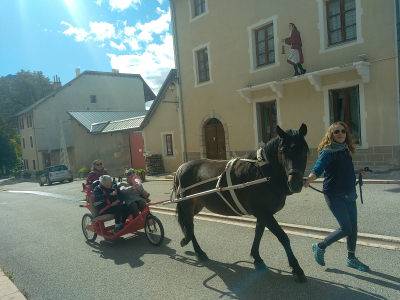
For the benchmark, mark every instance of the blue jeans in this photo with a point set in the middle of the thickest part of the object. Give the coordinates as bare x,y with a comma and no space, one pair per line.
345,212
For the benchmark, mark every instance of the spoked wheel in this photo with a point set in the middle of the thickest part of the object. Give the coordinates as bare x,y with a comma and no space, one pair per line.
86,221
154,230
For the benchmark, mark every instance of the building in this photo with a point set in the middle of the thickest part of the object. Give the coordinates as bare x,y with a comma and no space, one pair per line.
235,86
40,124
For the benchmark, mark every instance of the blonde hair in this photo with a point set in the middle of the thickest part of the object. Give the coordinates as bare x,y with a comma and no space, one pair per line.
96,162
328,138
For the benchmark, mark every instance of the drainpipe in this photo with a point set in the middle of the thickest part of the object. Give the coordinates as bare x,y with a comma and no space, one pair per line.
178,73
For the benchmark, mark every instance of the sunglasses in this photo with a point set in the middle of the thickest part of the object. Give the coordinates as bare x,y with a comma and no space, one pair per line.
337,131
100,164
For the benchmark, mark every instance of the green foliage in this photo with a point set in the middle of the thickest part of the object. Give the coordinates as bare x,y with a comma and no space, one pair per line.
27,174
8,158
38,173
17,174
10,275
83,170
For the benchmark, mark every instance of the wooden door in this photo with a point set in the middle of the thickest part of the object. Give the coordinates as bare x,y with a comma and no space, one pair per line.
215,141
137,157
47,160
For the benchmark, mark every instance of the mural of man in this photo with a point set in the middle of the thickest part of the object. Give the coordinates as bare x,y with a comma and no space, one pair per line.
295,55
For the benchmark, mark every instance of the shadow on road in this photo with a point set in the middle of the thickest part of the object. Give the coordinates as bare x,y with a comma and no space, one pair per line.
130,249
244,282
372,280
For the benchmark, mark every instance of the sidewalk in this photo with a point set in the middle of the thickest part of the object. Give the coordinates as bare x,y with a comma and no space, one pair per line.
8,291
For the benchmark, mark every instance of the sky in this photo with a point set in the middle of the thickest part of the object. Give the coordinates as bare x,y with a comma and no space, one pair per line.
58,36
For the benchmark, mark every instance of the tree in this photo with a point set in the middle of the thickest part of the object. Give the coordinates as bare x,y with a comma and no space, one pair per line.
16,94
8,155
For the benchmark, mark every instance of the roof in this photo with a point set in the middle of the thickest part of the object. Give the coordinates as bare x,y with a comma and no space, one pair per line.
149,94
171,75
108,121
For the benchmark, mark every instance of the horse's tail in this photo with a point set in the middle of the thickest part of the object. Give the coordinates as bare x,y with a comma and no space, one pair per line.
181,217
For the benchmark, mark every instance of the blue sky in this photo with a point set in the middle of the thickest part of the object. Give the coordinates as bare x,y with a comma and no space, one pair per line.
58,36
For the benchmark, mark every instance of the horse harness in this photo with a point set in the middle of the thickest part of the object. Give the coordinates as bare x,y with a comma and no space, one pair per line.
258,162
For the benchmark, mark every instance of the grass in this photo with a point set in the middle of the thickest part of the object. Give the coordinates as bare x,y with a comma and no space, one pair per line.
10,275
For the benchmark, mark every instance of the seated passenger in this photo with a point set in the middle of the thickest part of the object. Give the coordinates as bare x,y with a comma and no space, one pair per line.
108,195
97,171
134,194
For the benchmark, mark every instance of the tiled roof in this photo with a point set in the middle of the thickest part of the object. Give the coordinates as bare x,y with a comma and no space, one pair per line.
108,121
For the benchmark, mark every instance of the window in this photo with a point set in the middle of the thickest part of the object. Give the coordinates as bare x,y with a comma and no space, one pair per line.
34,164
168,140
265,50
345,106
27,122
267,120
199,7
92,99
26,165
21,123
30,121
202,61
23,143
31,140
341,21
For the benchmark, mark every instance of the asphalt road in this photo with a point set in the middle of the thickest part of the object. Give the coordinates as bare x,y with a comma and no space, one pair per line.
41,242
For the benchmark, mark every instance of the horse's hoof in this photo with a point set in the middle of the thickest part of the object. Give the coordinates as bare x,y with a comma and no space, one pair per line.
260,266
300,278
184,242
203,257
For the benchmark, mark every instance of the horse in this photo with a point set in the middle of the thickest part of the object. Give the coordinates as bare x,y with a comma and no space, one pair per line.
283,159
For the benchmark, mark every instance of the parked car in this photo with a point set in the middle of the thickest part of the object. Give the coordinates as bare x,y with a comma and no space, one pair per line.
55,174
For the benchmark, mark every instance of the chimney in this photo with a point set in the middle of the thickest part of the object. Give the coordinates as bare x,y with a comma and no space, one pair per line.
114,71
78,72
56,82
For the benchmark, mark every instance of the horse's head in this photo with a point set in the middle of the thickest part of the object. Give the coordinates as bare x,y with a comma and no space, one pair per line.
293,151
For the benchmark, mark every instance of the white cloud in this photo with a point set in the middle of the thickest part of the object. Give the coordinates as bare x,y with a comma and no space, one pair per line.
156,26
102,45
129,31
133,43
80,34
121,5
102,30
160,1
120,47
99,2
153,65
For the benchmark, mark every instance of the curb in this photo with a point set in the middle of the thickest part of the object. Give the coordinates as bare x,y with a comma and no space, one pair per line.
8,290
366,239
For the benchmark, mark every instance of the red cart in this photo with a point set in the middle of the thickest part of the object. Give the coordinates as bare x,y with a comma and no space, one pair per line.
94,225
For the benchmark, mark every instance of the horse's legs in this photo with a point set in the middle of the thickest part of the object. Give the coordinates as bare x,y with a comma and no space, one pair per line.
271,223
258,262
185,218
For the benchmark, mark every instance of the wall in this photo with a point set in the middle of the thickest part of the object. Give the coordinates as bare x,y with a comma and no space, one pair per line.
112,93
165,120
89,147
230,69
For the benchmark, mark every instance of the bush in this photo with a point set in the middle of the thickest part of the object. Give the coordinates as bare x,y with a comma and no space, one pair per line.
17,174
84,170
38,173
27,174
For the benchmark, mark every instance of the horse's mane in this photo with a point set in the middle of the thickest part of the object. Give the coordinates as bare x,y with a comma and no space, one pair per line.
270,149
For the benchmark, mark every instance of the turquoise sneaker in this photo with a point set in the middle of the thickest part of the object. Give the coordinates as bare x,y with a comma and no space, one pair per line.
318,254
356,264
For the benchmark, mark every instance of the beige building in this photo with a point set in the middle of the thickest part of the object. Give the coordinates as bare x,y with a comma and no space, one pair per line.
234,83
39,124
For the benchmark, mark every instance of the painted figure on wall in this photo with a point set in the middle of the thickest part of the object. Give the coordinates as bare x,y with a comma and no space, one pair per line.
295,55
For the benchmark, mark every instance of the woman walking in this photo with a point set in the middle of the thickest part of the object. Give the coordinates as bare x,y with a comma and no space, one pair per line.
335,161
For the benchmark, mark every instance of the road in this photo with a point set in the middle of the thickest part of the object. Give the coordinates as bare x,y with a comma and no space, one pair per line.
41,242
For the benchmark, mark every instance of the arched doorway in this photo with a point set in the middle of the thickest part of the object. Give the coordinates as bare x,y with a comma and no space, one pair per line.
215,139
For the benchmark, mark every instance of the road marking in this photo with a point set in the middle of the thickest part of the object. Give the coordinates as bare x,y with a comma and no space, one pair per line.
65,197
365,239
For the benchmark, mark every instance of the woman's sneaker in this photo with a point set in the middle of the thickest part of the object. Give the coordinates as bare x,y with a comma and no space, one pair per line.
356,264
318,254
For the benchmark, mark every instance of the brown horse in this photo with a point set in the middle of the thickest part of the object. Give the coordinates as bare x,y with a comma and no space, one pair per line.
284,160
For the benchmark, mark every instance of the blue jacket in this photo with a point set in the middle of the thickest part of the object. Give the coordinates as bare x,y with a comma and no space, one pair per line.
338,171
99,195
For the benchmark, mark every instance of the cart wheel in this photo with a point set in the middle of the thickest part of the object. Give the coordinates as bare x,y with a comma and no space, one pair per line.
154,230
40,183
49,181
86,221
